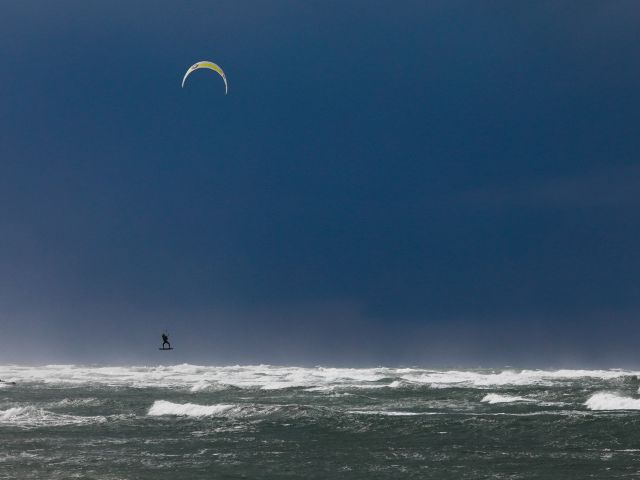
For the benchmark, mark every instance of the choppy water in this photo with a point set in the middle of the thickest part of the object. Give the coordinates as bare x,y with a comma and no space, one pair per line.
196,422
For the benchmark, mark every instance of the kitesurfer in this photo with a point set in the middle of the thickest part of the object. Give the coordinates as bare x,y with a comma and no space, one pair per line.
165,341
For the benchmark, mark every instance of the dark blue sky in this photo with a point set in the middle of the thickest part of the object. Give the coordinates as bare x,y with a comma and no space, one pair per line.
401,183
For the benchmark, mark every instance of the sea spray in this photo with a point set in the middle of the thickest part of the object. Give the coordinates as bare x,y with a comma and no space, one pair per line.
261,421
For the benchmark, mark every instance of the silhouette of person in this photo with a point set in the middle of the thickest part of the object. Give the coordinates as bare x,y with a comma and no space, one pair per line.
165,341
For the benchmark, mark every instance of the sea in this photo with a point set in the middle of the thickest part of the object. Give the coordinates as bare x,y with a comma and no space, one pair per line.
278,422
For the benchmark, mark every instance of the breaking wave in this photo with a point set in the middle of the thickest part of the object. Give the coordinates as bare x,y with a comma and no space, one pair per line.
387,413
162,407
165,408
496,398
195,378
30,416
611,401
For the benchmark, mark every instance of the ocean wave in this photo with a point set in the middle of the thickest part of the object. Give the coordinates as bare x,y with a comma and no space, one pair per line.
388,413
488,379
496,398
162,407
6,457
611,401
195,378
77,402
30,416
207,386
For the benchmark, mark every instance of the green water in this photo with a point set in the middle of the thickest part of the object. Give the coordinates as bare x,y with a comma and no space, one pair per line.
384,427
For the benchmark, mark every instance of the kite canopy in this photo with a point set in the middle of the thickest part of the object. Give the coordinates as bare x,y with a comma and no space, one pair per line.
210,66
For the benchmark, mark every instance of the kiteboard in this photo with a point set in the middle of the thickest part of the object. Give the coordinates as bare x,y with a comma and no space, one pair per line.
161,348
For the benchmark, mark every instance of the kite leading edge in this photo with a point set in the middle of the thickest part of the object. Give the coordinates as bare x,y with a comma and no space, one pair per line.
211,66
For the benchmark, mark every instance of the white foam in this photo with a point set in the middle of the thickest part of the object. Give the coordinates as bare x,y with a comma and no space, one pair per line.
248,410
77,402
387,413
5,457
162,407
30,416
324,389
496,398
197,378
612,401
487,379
205,386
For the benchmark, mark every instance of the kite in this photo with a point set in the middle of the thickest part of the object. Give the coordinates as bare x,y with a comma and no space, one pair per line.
210,66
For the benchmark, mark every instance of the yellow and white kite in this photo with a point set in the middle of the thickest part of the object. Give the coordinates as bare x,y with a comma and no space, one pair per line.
210,66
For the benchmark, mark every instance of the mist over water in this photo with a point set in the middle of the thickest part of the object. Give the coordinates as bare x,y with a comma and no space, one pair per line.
61,421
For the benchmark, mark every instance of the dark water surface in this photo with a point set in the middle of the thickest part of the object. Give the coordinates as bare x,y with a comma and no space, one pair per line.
194,422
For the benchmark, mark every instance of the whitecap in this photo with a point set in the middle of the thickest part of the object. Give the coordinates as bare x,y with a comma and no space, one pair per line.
611,401
77,402
197,378
497,398
388,413
162,407
30,416
206,386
